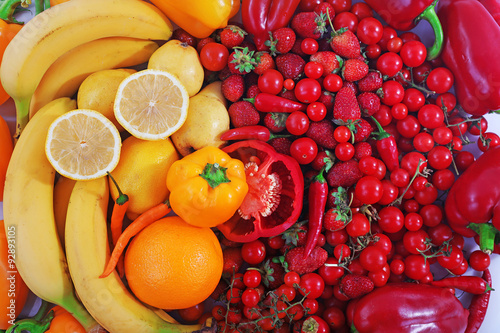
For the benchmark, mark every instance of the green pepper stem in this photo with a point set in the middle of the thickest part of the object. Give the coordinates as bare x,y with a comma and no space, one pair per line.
429,14
122,197
46,4
382,133
8,7
487,233
214,174
38,324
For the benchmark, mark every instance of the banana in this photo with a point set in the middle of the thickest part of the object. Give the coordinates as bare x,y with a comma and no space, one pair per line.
62,192
87,250
65,75
29,214
55,31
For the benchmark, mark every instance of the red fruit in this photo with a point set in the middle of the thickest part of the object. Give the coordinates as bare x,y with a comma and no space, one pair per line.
325,8
362,149
241,61
275,121
274,274
232,260
344,174
233,87
252,91
354,70
281,40
362,130
309,25
371,82
231,36
328,59
264,62
243,113
296,235
345,43
369,103
202,42
290,65
297,262
322,133
185,37
333,221
353,285
346,105
281,145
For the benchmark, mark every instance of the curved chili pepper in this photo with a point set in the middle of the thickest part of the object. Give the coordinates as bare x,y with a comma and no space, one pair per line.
470,284
469,53
478,306
405,14
493,7
387,147
256,132
317,197
265,102
259,17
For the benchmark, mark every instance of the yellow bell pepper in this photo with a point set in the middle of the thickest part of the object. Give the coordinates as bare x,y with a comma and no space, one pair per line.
206,187
199,17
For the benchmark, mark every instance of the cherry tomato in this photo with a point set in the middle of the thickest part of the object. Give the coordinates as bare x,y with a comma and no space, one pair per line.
394,45
308,5
442,135
479,126
451,259
408,127
307,90
252,278
316,111
372,258
397,266
253,252
359,225
342,134
391,219
373,51
432,215
399,111
390,192
330,273
309,46
389,64
369,30
443,179
479,261
439,234
413,53
440,157
423,142
345,20
440,80
368,190
361,10
304,150
340,5
312,285
421,72
447,102
333,82
344,151
297,123
214,56
388,34
289,84
291,278
313,70
315,323
392,92
341,251
271,81
334,316
489,140
464,159
413,221
431,116
413,99
415,242
416,266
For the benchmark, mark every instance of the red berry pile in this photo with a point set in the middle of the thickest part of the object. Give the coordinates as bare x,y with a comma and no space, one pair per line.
328,90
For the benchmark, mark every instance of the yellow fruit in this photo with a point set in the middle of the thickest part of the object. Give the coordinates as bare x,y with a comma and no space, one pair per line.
83,145
173,265
62,192
142,173
181,60
151,104
98,91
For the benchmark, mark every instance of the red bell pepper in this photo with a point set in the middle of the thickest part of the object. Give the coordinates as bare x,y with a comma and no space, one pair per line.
259,17
469,52
409,307
405,14
493,7
275,192
474,199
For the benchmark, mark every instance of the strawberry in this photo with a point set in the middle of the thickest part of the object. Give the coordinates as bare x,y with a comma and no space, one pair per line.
231,36
328,60
309,25
220,290
354,285
328,99
263,61
346,105
296,235
332,221
185,37
281,145
369,103
243,113
281,40
290,65
353,86
241,60
288,94
298,263
297,47
274,274
362,130
232,260
275,121
345,43
344,174
252,91
354,70
224,73
202,42
322,133
371,82
323,159
362,149
233,87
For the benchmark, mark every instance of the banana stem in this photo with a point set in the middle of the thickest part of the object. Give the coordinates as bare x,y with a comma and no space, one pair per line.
46,4
77,310
38,6
22,116
7,9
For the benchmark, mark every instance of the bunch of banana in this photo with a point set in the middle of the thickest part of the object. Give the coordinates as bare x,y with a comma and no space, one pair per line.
87,249
66,74
61,28
29,213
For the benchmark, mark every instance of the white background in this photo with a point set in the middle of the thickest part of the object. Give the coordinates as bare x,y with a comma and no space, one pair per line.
491,321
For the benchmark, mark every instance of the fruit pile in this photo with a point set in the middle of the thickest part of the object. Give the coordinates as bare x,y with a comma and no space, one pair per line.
316,163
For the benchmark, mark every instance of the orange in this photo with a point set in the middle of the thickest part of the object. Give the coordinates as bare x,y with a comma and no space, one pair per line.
173,265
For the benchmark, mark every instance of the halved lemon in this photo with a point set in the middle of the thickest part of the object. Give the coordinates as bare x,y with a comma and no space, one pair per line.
83,145
151,104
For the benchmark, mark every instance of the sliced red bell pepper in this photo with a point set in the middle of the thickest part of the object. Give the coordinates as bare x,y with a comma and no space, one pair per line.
474,200
404,16
469,52
275,190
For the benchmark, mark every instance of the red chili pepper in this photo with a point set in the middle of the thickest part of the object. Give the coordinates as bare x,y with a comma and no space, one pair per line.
404,16
256,132
317,198
265,102
409,307
474,199
470,284
387,147
275,190
259,17
471,56
478,306
493,7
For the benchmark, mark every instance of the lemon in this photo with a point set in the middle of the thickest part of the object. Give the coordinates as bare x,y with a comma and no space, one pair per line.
83,145
142,173
151,104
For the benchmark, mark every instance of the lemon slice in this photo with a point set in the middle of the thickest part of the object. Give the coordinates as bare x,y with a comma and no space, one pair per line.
151,104
83,145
